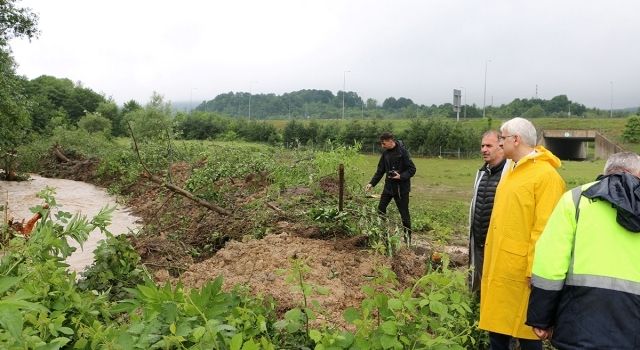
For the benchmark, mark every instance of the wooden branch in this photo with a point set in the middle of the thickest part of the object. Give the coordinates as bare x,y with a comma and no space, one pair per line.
272,206
187,194
59,155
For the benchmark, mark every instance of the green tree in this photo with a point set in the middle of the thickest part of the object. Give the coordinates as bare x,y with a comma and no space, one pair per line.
95,123
109,110
632,130
15,22
153,121
536,111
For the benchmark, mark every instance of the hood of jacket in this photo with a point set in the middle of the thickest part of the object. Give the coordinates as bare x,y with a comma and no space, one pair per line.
542,154
622,190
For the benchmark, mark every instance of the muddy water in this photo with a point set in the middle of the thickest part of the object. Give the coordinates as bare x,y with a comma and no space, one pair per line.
71,196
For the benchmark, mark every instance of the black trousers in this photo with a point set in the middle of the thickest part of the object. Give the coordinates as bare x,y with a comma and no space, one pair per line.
402,202
502,342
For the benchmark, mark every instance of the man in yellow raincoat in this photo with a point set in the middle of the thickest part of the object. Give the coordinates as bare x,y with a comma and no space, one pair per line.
528,192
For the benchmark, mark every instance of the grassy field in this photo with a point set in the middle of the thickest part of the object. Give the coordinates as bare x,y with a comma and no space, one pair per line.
442,188
442,180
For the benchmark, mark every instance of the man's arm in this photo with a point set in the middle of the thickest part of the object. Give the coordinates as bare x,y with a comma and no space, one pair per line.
380,171
551,265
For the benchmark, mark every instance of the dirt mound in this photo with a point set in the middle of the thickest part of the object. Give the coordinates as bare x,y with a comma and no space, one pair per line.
262,265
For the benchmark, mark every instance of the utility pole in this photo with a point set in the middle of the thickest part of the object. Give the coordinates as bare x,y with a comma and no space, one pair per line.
611,106
344,87
484,95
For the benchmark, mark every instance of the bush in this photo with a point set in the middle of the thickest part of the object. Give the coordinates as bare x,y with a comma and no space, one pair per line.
632,130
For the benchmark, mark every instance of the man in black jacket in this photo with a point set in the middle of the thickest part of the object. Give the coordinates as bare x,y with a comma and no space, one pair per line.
397,167
484,192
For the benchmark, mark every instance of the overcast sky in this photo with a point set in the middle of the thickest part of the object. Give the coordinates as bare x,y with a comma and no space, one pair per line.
194,50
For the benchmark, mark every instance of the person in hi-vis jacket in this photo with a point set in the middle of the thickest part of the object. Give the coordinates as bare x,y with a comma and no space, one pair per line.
586,270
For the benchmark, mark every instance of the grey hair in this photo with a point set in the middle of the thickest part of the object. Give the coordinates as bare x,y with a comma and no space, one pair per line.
523,128
491,132
623,162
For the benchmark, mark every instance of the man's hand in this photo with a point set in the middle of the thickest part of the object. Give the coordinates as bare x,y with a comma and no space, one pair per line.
367,187
396,176
543,334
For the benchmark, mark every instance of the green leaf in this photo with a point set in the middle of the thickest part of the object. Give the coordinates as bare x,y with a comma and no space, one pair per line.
389,342
55,344
66,330
394,304
8,282
438,308
250,345
315,335
22,304
389,327
436,296
11,320
351,315
198,332
236,342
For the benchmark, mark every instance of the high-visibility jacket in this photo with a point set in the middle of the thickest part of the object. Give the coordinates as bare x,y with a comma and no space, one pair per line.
586,275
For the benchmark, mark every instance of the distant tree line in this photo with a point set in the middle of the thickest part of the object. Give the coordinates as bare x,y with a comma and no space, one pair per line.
323,104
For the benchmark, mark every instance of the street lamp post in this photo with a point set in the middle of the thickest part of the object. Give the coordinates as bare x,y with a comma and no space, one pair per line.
611,105
464,92
484,95
344,87
250,93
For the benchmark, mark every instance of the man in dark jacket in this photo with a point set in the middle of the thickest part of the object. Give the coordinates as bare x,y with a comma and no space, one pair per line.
397,167
586,269
484,192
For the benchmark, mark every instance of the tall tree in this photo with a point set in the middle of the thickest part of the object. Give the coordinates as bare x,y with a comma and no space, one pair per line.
15,22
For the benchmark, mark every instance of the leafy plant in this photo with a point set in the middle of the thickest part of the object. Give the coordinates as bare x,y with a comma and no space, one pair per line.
296,321
116,267
433,314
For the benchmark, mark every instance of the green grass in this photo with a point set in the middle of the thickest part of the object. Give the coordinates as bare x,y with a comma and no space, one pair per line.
443,180
442,188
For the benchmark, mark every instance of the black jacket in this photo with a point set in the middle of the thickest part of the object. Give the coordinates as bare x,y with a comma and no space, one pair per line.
483,202
398,159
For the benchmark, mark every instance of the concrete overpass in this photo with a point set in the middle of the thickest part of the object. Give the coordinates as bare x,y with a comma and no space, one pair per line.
571,144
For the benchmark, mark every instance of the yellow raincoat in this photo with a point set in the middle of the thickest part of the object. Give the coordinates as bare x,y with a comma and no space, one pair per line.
524,200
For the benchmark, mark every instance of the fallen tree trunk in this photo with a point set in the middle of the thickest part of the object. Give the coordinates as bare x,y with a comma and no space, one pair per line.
185,193
59,155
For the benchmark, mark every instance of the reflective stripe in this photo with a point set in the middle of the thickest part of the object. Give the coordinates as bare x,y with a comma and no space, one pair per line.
546,284
604,282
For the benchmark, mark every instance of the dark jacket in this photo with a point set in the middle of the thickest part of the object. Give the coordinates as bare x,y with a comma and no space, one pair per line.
482,203
398,159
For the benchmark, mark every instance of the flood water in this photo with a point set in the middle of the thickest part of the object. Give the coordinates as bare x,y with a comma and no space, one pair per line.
73,197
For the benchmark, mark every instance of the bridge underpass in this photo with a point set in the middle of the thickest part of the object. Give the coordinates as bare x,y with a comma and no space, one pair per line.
570,144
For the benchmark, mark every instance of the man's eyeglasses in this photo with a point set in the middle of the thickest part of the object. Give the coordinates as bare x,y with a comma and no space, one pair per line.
502,138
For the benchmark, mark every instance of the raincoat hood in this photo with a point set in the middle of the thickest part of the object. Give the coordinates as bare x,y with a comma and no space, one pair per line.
622,190
542,154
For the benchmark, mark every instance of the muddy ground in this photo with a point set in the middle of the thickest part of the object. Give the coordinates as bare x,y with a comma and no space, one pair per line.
184,241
